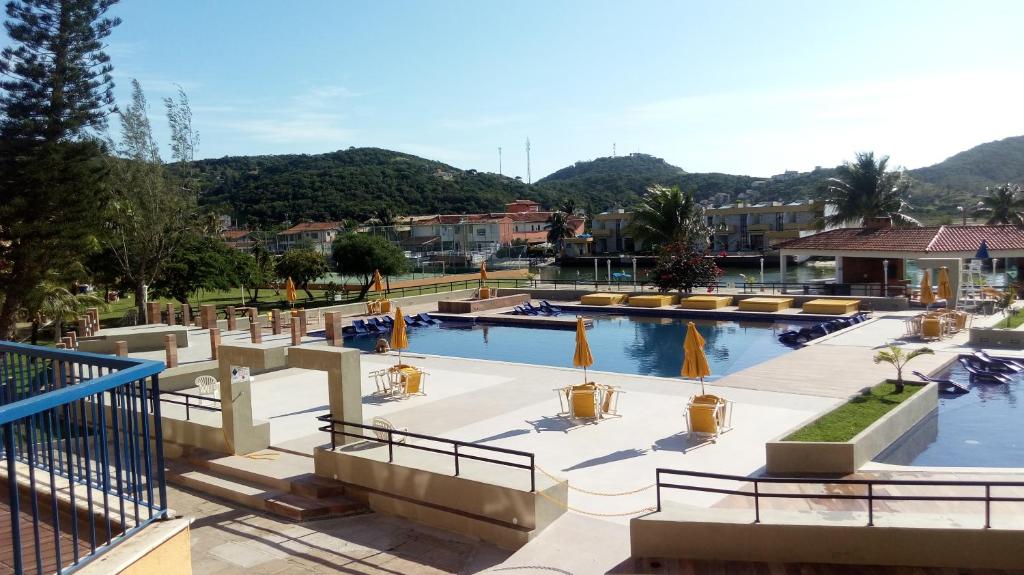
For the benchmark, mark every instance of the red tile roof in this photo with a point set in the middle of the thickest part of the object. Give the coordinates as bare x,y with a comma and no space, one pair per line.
941,239
235,234
313,227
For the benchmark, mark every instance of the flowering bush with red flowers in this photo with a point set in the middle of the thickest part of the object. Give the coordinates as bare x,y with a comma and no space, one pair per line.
680,268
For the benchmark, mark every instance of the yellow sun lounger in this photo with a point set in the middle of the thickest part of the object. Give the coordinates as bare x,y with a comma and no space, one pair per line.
653,300
831,306
768,304
706,302
603,299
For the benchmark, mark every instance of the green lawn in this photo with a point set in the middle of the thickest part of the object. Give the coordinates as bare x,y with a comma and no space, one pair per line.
1013,320
849,419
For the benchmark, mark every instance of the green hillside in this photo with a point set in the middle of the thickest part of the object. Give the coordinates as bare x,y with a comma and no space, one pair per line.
972,170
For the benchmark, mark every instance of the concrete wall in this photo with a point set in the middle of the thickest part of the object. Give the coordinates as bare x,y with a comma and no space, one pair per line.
243,433
472,306
360,307
184,376
823,457
993,337
824,537
162,548
144,338
488,510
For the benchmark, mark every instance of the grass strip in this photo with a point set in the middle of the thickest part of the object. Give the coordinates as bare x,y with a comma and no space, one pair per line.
854,416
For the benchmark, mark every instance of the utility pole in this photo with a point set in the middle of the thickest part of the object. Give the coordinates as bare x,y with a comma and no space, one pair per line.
529,178
499,161
613,149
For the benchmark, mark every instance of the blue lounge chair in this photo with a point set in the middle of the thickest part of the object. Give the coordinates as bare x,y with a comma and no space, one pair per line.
410,322
348,330
544,304
982,375
380,324
944,384
998,362
425,318
529,307
359,326
518,310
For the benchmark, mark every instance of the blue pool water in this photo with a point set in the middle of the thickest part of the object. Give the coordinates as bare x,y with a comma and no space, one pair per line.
624,344
983,428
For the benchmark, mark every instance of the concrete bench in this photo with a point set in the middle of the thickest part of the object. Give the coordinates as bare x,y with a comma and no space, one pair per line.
706,302
768,304
653,300
603,299
831,306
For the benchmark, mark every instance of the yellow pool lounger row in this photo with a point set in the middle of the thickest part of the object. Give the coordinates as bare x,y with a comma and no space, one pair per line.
706,302
603,299
768,304
653,300
831,306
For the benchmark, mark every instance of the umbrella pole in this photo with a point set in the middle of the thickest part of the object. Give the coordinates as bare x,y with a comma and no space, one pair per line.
702,385
584,374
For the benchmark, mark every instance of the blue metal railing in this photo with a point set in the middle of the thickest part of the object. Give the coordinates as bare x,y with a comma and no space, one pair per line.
83,449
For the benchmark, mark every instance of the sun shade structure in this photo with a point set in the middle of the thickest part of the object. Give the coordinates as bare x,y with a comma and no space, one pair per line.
695,363
582,358
289,291
927,297
399,339
944,292
378,284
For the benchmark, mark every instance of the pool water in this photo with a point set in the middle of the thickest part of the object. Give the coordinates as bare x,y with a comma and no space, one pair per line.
983,428
638,345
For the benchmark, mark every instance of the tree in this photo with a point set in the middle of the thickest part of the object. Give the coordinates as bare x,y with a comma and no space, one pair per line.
303,265
56,93
264,265
1003,205
864,190
680,268
896,357
148,217
56,303
559,228
358,255
669,216
200,262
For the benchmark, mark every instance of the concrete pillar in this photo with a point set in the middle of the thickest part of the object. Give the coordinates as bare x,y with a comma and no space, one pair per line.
67,343
153,312
343,381
255,331
83,326
208,316
332,326
74,338
121,348
186,315
94,313
242,432
214,341
171,348
296,336
230,310
253,314
170,314
275,322
302,324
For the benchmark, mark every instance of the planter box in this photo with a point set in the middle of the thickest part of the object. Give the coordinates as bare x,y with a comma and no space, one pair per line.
845,457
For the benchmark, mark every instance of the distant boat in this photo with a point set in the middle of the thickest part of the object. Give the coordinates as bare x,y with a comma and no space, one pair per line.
621,276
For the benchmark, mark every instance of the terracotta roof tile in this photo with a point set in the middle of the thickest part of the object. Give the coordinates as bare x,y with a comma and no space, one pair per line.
313,227
967,239
942,239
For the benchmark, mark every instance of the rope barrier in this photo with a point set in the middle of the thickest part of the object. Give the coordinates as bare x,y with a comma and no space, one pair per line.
595,513
598,493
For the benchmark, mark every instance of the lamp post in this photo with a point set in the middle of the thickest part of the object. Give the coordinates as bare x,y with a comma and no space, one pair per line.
885,278
609,262
595,273
634,273
762,273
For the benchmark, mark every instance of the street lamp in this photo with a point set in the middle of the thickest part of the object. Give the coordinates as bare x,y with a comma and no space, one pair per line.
762,273
885,277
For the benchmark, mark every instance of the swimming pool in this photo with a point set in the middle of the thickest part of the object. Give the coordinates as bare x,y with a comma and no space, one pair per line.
640,345
981,428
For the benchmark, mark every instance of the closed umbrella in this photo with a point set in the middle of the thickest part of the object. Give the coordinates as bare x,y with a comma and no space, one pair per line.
378,284
289,291
927,297
582,357
982,253
695,363
483,271
945,292
399,339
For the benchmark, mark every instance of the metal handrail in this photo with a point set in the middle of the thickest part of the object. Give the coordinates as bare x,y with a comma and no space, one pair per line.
455,443
869,484
188,404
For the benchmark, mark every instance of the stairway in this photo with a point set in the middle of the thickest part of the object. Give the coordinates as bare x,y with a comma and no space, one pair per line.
277,482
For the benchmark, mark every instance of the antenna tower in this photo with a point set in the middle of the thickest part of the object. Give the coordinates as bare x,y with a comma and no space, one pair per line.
499,161
529,178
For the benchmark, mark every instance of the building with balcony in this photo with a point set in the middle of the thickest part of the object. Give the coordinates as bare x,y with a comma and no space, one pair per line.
759,227
610,231
318,234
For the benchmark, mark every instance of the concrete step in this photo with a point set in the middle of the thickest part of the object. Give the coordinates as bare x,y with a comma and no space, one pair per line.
281,470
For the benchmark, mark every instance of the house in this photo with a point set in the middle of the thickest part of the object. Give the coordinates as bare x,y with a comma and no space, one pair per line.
318,234
758,227
238,239
522,206
610,231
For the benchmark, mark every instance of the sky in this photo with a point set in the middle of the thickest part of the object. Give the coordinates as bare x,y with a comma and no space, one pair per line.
744,87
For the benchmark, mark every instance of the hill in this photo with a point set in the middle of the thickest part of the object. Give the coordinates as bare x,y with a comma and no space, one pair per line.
972,170
348,184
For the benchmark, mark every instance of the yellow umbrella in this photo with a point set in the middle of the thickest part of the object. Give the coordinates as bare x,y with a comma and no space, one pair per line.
399,340
927,297
582,357
289,291
944,290
377,282
695,363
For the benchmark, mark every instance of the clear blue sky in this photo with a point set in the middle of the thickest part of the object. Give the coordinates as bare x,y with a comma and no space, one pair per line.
752,87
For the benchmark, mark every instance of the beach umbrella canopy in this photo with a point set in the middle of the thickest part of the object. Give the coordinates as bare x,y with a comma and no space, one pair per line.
944,292
982,251
695,363
582,358
378,284
399,339
927,297
483,271
289,291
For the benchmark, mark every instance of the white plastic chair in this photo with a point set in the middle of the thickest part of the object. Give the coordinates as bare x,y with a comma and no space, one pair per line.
208,385
385,426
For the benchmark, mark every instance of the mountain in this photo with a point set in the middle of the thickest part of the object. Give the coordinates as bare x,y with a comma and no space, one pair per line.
348,184
972,170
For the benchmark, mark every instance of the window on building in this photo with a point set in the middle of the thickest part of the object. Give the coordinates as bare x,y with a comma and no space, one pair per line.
481,232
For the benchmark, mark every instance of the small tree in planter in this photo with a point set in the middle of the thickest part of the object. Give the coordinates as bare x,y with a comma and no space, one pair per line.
681,268
896,357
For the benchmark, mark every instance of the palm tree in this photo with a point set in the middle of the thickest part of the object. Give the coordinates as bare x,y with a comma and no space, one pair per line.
54,302
863,190
898,359
667,216
1003,205
559,228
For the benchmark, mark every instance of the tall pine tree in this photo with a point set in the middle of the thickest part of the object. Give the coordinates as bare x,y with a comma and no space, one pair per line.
54,99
